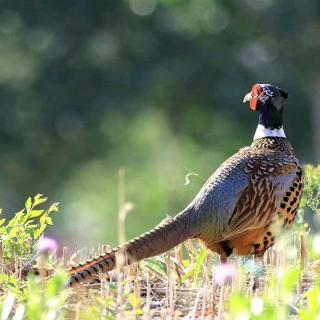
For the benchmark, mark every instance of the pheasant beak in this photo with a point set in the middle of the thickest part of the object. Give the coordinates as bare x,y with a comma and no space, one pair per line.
247,97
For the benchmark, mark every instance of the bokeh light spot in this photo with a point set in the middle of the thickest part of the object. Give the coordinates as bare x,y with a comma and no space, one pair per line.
143,7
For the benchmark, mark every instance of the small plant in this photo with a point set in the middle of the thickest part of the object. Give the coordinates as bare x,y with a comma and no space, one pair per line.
19,235
312,309
45,300
277,302
312,188
35,299
31,297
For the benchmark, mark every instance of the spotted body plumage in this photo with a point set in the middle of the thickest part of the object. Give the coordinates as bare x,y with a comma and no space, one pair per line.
263,184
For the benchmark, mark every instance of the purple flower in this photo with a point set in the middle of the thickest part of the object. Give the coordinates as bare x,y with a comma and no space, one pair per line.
47,246
225,273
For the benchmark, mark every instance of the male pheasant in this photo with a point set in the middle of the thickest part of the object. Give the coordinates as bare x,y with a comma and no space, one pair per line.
241,208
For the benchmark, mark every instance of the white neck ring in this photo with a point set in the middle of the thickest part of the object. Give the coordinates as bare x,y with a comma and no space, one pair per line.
263,132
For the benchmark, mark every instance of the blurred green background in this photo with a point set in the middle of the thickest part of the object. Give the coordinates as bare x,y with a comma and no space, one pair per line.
152,86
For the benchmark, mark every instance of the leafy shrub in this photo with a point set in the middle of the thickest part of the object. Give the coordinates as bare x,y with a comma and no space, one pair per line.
19,235
312,188
32,297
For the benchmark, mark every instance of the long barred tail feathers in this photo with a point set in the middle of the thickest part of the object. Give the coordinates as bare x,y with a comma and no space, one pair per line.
160,239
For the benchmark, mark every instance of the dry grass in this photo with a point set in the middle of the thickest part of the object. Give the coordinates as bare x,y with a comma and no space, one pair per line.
160,288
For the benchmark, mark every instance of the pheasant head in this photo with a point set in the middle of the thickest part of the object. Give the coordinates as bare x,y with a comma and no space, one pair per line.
268,100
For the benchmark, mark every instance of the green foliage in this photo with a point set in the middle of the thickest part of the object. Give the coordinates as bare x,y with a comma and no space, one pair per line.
312,188
271,305
18,236
195,266
45,300
156,265
32,297
109,308
312,310
35,299
9,282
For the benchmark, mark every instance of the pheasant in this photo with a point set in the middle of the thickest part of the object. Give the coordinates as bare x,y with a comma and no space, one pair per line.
242,207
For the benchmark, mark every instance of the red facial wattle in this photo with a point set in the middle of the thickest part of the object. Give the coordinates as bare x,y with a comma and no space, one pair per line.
256,92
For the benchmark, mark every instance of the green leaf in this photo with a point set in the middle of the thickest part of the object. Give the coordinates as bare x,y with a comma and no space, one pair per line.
187,275
38,199
40,231
203,254
13,232
2,221
28,204
54,207
36,213
32,226
195,270
57,283
156,265
49,220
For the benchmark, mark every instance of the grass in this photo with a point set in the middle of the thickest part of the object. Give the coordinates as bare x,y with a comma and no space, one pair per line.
172,287
185,283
